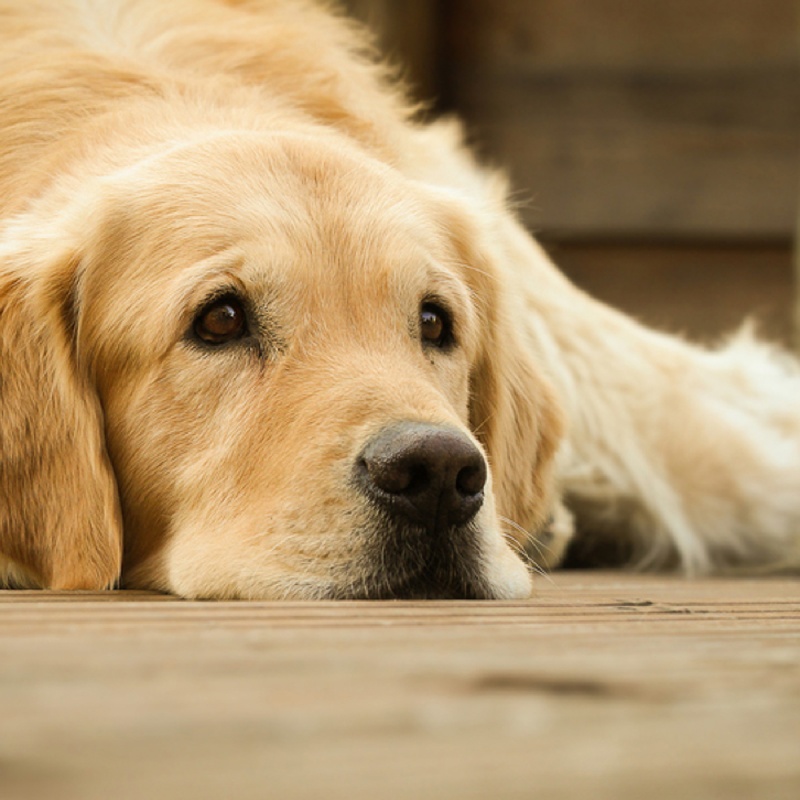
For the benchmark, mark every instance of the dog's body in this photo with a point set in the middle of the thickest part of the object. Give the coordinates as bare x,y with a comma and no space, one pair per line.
266,329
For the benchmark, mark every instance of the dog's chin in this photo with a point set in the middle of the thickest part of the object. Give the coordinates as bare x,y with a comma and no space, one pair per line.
411,564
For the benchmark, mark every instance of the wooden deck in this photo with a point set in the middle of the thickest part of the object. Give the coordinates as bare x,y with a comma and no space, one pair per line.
603,686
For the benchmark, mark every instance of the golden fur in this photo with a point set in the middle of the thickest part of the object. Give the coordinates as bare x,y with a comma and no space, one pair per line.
156,155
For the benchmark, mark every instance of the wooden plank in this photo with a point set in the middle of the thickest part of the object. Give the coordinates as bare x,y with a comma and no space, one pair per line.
672,119
603,685
702,291
701,35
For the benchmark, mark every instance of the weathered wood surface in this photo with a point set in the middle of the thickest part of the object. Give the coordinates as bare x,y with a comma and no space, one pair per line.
703,292
602,686
621,117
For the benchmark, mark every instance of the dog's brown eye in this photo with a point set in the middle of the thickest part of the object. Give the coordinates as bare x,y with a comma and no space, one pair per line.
221,321
434,326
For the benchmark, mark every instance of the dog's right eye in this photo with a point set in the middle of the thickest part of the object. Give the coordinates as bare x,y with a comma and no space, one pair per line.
221,321
435,327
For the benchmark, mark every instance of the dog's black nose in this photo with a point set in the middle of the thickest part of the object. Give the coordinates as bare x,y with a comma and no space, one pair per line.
432,475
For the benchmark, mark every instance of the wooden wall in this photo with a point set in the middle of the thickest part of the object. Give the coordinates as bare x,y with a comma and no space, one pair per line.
637,117
636,132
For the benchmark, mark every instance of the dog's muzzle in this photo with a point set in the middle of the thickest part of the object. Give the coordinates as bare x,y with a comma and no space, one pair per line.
426,485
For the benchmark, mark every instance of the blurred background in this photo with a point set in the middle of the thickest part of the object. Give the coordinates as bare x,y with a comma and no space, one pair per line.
653,145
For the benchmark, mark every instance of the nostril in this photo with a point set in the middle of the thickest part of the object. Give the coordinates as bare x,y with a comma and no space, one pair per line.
417,478
471,479
396,476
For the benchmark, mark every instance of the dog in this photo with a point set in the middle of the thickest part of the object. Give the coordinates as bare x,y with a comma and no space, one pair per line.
265,334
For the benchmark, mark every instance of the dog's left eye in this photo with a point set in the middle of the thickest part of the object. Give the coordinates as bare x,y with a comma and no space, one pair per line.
221,321
434,326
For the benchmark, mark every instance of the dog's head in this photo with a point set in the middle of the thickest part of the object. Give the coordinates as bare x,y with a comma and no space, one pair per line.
281,368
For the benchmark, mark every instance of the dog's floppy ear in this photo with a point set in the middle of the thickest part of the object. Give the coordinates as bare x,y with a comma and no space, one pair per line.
513,408
60,524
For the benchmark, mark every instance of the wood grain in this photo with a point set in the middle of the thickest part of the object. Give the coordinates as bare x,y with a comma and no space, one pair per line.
602,686
700,291
622,117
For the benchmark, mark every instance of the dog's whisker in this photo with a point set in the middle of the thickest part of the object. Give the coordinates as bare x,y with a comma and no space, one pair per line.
521,550
531,539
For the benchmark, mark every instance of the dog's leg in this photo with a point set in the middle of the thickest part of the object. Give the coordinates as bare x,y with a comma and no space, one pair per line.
690,456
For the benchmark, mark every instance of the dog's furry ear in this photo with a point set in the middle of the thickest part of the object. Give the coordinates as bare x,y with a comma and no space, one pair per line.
513,408
60,524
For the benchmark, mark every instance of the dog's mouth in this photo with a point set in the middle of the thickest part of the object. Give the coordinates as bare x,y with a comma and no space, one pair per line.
410,564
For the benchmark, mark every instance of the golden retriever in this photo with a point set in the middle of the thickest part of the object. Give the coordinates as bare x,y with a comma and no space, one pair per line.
263,334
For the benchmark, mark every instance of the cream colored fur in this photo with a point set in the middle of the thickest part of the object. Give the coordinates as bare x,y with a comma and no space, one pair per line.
153,154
